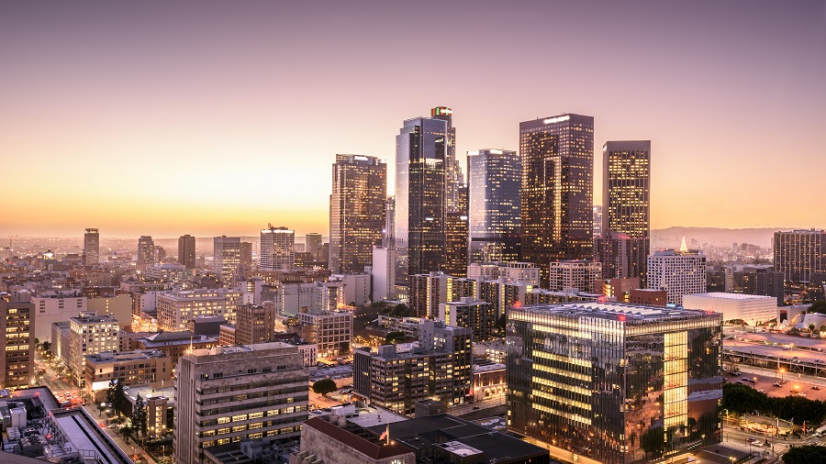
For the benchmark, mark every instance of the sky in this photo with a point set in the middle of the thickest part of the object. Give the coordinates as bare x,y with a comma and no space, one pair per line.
210,117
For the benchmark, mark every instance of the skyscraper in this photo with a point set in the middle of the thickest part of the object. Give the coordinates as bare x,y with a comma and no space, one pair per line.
453,172
357,209
277,248
186,251
421,158
91,247
557,189
800,254
146,253
312,242
624,244
494,180
226,258
17,334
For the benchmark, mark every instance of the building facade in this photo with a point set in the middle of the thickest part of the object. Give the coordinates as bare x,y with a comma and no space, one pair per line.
477,315
17,343
751,309
130,367
254,324
89,333
616,383
331,331
799,254
186,251
176,308
678,273
228,394
557,189
277,249
357,209
146,253
91,247
226,259
581,275
494,219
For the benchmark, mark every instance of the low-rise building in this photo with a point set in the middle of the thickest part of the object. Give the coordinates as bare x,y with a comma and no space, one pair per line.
477,315
174,344
89,333
331,331
752,309
130,367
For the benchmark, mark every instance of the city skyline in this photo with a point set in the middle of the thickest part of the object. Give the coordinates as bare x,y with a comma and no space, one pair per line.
129,135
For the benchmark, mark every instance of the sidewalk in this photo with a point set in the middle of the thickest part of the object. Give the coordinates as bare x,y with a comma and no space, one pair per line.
128,449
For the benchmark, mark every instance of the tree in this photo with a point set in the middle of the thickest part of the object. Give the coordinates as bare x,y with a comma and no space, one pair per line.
501,322
117,402
110,393
139,416
323,387
125,431
818,307
811,327
394,337
47,347
344,348
805,455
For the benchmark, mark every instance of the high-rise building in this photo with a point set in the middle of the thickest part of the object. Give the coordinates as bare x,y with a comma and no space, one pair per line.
176,308
494,184
557,189
89,334
477,315
615,383
799,254
597,220
678,272
453,171
146,253
357,209
624,244
226,258
17,334
160,254
277,249
91,247
229,394
421,164
186,251
456,243
581,275
331,331
312,243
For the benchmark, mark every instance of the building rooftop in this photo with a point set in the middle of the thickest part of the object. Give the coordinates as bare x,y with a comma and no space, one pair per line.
363,416
352,440
624,312
88,318
732,296
109,356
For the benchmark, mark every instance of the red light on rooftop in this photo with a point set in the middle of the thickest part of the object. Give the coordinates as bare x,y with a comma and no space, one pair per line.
621,318
517,305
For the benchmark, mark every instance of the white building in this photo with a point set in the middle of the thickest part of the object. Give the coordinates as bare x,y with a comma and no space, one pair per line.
277,249
226,258
521,272
176,308
383,273
581,275
677,272
356,288
89,334
753,309
55,308
171,272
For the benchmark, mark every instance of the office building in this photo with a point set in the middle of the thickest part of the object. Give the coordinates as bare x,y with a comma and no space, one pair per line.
254,324
648,297
277,249
510,272
597,220
246,258
227,259
146,253
186,251
91,247
456,243
494,219
581,275
752,310
17,329
421,183
229,394
678,272
173,344
427,291
440,368
89,333
618,289
756,280
800,254
312,244
324,440
477,315
331,331
357,209
178,307
129,367
615,383
453,171
557,189
626,207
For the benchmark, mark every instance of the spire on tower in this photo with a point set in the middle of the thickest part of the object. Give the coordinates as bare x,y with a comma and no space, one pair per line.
683,247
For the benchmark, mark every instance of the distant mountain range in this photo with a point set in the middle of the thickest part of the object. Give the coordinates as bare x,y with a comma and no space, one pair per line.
671,237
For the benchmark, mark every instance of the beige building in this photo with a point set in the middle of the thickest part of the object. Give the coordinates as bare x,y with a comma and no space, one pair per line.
17,342
176,308
329,330
254,324
130,367
325,442
174,344
89,334
119,306
227,394
579,274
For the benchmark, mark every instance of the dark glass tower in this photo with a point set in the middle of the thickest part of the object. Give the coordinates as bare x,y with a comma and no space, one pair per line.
557,189
494,180
186,251
421,159
357,208
626,209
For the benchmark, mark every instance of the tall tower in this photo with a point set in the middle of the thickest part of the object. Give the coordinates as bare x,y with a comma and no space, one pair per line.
312,242
186,251
91,247
494,181
421,159
357,212
557,189
226,258
277,249
453,172
17,335
626,215
800,255
146,253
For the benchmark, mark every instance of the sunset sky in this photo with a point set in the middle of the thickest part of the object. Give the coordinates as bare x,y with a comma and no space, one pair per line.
214,117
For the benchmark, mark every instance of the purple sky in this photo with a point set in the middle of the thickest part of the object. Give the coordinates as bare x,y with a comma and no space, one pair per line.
207,118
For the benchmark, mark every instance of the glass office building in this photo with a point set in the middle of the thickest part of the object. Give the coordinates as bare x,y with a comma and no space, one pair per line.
616,383
494,181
